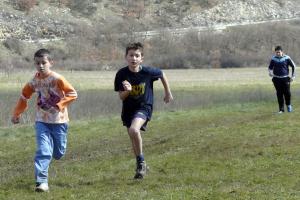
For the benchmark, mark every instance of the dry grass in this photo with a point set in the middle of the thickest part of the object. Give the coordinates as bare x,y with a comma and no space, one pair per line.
217,77
191,89
179,79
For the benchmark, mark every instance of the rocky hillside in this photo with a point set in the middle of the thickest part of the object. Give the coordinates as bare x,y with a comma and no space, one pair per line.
59,19
238,11
92,34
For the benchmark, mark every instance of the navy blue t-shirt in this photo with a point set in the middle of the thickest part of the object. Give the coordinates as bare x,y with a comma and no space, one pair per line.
141,96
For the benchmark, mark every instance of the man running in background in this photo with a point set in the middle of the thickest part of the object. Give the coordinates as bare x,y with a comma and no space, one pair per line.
279,70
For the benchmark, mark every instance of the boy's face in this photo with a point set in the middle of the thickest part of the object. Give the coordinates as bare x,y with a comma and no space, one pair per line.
134,58
279,53
42,64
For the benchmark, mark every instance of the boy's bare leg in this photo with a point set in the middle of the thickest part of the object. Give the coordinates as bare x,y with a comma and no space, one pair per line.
137,145
135,135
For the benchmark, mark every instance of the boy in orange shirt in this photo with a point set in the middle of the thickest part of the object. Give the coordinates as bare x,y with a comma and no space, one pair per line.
54,94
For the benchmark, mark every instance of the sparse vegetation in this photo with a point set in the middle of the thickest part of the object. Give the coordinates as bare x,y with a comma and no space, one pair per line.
92,34
25,5
89,51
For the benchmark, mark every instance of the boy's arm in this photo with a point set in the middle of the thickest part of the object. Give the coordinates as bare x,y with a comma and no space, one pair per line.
70,93
292,64
21,106
123,94
270,68
127,88
168,95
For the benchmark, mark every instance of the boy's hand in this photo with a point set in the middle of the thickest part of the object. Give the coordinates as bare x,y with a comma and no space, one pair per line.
15,120
126,85
271,73
293,78
168,97
53,110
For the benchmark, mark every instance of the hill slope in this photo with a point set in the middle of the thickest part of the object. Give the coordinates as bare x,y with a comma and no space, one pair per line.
92,34
50,19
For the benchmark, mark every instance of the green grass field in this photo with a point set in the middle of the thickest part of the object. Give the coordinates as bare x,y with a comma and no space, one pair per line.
190,88
236,147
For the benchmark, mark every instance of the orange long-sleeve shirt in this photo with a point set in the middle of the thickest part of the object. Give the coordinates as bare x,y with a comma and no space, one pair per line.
55,93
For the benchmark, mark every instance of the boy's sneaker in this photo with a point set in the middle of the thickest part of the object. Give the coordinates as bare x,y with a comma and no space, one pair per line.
141,170
289,108
280,112
42,187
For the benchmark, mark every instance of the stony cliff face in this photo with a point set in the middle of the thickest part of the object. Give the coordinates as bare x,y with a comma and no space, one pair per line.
237,11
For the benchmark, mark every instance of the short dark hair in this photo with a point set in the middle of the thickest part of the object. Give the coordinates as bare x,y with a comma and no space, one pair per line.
43,52
135,46
278,48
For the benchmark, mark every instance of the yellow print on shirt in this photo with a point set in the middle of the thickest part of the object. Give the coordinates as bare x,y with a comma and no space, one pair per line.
138,90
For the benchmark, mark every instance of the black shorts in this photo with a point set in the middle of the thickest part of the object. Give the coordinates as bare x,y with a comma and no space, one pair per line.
143,113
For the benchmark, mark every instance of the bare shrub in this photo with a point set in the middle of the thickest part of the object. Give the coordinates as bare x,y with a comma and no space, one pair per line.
207,3
64,2
14,44
230,60
133,8
215,58
280,3
25,5
7,66
86,8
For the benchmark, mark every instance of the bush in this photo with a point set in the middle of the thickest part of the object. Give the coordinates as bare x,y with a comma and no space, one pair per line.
25,5
15,45
86,7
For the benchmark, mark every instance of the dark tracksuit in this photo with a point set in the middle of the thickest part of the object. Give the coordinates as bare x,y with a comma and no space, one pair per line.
281,79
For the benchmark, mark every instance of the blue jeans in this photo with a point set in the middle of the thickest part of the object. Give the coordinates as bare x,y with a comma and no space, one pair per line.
51,141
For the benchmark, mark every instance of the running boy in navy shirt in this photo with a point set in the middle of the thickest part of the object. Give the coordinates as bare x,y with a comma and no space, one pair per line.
135,86
279,70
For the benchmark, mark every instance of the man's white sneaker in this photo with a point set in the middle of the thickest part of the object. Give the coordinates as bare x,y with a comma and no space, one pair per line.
289,108
42,187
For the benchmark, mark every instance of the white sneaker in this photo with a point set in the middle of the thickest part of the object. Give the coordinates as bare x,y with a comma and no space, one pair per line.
42,187
289,108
